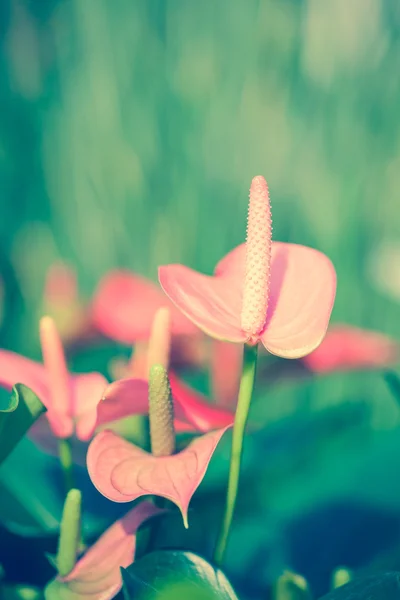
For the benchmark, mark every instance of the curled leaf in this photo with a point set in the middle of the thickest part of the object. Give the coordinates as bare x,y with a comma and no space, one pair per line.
22,411
172,574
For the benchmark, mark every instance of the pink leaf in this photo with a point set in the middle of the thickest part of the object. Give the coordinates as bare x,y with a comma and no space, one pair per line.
122,472
97,574
124,306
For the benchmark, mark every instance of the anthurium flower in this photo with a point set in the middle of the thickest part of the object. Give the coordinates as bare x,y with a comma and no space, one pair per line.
123,472
97,575
271,292
71,400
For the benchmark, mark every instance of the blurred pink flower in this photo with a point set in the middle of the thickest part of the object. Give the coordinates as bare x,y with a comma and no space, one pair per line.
279,294
62,301
350,348
124,306
344,348
71,400
97,575
123,472
226,368
193,412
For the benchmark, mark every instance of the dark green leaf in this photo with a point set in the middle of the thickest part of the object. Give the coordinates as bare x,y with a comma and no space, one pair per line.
393,382
385,586
171,574
22,411
340,577
20,592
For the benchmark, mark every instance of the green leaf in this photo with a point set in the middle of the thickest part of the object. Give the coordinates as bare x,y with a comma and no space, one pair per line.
21,592
340,577
393,382
171,574
291,586
22,411
384,586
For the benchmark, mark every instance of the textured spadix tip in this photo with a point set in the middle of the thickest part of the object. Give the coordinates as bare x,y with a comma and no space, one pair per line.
258,261
161,412
259,189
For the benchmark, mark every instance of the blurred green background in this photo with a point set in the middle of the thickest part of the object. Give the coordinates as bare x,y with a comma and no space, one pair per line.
129,134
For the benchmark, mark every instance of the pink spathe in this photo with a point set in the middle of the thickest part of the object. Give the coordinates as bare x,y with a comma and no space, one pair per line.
97,575
123,472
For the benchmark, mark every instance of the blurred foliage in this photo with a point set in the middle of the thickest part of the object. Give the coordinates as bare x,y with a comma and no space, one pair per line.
130,132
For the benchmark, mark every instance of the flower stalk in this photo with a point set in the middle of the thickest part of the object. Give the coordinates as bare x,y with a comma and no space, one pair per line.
66,462
241,417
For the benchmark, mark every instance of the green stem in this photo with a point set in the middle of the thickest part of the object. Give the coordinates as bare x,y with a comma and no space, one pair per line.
65,454
242,413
